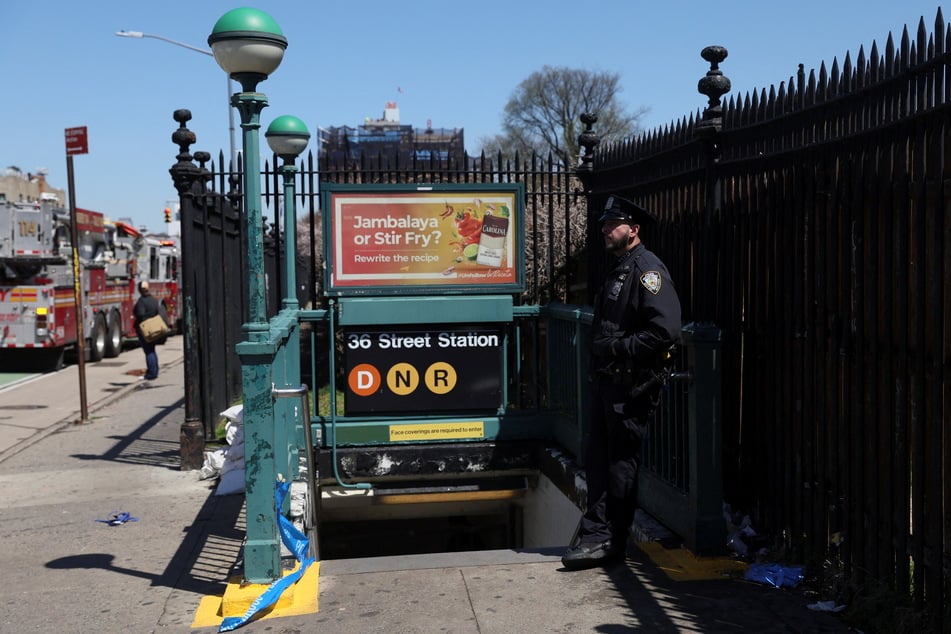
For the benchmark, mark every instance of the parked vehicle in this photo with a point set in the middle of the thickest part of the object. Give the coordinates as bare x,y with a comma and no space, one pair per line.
38,312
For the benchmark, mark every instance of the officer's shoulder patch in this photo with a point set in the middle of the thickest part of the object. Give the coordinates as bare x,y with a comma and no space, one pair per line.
651,281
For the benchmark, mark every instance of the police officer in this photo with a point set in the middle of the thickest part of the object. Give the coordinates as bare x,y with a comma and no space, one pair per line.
636,323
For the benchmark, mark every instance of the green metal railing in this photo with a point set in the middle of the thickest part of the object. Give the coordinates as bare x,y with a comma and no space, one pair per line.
547,399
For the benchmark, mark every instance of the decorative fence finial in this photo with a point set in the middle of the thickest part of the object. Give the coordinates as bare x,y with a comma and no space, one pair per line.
588,140
184,171
714,85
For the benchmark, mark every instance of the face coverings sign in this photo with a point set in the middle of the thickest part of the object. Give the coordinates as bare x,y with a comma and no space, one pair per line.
415,239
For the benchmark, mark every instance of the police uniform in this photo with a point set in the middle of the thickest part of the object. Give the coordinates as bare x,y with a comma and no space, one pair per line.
636,322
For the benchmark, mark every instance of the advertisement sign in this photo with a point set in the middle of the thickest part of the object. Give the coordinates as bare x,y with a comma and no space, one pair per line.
422,369
412,239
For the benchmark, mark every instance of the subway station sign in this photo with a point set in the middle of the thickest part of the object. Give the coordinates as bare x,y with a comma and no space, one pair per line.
422,369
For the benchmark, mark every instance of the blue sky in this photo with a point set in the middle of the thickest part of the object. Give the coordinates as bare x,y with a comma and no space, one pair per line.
456,63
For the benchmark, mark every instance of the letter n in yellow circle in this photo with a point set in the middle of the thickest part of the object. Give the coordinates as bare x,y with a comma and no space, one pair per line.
440,377
402,379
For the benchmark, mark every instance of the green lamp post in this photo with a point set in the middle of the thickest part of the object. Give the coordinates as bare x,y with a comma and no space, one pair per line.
287,137
249,46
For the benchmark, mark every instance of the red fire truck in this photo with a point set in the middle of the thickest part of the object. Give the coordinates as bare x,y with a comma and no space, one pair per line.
37,291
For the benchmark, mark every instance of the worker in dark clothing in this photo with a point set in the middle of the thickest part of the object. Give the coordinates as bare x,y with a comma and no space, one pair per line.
145,307
636,324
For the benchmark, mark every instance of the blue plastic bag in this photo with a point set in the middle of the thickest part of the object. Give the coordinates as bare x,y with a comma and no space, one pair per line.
775,575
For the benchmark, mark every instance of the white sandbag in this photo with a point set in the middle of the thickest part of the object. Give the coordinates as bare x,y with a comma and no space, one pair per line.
213,463
231,482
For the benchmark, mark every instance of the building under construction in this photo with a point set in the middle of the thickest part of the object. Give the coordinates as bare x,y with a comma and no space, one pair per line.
387,142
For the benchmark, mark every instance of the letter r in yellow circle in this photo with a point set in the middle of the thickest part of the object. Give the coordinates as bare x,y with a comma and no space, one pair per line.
440,377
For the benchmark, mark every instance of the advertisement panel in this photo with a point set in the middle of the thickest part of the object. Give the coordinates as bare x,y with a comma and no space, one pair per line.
413,239
423,369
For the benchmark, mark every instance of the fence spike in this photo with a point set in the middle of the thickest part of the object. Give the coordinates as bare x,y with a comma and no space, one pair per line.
904,50
823,90
891,57
811,88
940,35
861,69
736,101
922,56
745,116
875,64
781,97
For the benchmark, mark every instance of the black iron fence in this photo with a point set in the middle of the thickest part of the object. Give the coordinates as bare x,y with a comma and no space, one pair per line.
808,223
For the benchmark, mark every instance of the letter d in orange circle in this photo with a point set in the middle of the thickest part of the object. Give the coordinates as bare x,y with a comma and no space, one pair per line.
364,379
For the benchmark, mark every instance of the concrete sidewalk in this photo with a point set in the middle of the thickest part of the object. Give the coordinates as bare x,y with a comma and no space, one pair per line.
24,419
66,571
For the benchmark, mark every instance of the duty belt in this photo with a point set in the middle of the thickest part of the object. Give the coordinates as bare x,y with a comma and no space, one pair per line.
624,373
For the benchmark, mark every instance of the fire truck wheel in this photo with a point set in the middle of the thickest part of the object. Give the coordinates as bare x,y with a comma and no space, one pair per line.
97,340
113,336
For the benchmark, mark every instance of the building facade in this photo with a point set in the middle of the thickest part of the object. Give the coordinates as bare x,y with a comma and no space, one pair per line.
389,141
23,187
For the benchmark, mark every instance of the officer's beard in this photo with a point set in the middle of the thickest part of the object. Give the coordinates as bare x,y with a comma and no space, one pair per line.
620,245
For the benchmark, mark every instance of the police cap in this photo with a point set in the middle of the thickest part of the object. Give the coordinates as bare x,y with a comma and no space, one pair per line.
618,208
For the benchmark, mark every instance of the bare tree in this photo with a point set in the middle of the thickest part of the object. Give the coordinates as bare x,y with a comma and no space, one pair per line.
543,114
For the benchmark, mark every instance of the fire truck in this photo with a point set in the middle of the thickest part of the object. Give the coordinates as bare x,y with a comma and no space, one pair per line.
38,316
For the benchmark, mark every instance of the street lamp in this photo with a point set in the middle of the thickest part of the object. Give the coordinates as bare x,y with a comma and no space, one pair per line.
203,51
287,137
248,45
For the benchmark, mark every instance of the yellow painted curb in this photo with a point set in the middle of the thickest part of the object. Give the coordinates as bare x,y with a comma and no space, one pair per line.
299,599
682,565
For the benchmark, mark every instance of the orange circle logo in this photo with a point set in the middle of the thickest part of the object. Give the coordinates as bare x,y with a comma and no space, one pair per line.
364,379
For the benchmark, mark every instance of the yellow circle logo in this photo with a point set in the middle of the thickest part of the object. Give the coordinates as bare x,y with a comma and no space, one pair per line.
440,377
402,379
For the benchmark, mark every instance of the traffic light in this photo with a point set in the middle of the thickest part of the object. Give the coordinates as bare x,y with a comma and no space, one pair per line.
168,215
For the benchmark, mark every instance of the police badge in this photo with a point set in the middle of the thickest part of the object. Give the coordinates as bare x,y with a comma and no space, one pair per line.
651,281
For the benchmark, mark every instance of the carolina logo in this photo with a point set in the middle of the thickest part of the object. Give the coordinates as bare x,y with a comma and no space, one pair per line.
651,281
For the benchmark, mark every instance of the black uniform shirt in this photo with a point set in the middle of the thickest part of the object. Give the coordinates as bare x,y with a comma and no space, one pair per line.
636,311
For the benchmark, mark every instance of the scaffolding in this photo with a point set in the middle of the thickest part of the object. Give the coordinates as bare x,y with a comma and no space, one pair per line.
387,140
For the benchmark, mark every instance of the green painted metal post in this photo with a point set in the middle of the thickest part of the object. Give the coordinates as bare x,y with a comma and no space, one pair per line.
288,171
291,352
248,45
249,106
262,551
262,548
287,136
291,348
703,342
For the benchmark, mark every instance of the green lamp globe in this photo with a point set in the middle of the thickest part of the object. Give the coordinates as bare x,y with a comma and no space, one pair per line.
287,136
248,45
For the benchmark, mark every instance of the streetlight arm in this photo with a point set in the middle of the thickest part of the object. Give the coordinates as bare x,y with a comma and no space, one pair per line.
140,35
204,51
